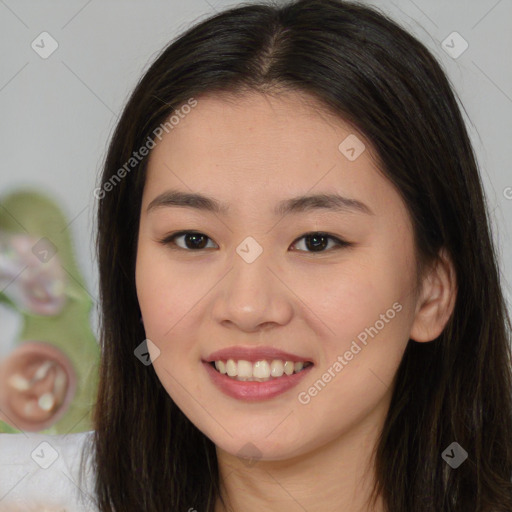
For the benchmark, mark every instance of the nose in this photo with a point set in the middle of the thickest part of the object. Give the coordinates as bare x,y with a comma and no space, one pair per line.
253,296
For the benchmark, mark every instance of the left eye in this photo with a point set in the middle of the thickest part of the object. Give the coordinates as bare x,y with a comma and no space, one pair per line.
196,239
319,240
315,241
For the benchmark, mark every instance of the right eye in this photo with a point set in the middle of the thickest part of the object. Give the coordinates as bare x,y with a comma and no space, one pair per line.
193,240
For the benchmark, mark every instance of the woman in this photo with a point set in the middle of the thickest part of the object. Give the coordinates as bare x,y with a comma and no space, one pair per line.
301,303
263,104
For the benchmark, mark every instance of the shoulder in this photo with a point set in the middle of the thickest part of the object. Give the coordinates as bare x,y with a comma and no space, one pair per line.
43,472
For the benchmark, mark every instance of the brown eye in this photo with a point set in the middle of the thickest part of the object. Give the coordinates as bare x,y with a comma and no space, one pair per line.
191,239
318,241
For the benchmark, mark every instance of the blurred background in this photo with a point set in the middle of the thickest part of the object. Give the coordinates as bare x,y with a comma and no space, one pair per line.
67,70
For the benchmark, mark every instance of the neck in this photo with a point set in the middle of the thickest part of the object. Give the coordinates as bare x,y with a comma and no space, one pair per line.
337,476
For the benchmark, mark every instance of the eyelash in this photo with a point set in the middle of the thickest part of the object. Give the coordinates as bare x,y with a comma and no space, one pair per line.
169,240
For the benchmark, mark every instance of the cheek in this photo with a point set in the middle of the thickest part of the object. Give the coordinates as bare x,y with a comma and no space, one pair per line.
368,306
169,294
159,291
355,296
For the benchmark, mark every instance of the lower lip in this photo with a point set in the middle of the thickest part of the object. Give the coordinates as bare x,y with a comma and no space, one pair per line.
254,391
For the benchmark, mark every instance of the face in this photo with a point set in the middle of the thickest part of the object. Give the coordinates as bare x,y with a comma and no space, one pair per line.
329,284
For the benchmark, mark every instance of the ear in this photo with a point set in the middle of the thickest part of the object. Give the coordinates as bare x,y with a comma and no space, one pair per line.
436,301
37,385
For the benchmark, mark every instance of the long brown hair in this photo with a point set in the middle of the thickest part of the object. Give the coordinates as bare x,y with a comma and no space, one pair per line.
366,69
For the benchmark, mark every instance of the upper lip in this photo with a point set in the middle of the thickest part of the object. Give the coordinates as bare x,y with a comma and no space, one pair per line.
254,354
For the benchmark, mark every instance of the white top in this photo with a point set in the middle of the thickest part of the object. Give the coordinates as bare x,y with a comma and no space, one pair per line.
40,473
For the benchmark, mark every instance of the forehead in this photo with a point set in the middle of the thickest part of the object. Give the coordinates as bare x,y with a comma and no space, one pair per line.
254,148
270,133
281,121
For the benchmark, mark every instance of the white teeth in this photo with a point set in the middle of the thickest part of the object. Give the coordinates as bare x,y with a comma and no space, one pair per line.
59,385
276,368
244,369
288,367
220,366
231,368
46,402
42,371
19,382
259,371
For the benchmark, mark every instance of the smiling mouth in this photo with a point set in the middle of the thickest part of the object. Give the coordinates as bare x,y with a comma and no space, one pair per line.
259,371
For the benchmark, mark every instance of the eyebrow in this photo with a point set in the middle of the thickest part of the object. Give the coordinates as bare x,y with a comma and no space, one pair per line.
298,204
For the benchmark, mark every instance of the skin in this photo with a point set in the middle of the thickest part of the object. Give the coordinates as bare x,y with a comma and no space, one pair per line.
252,152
